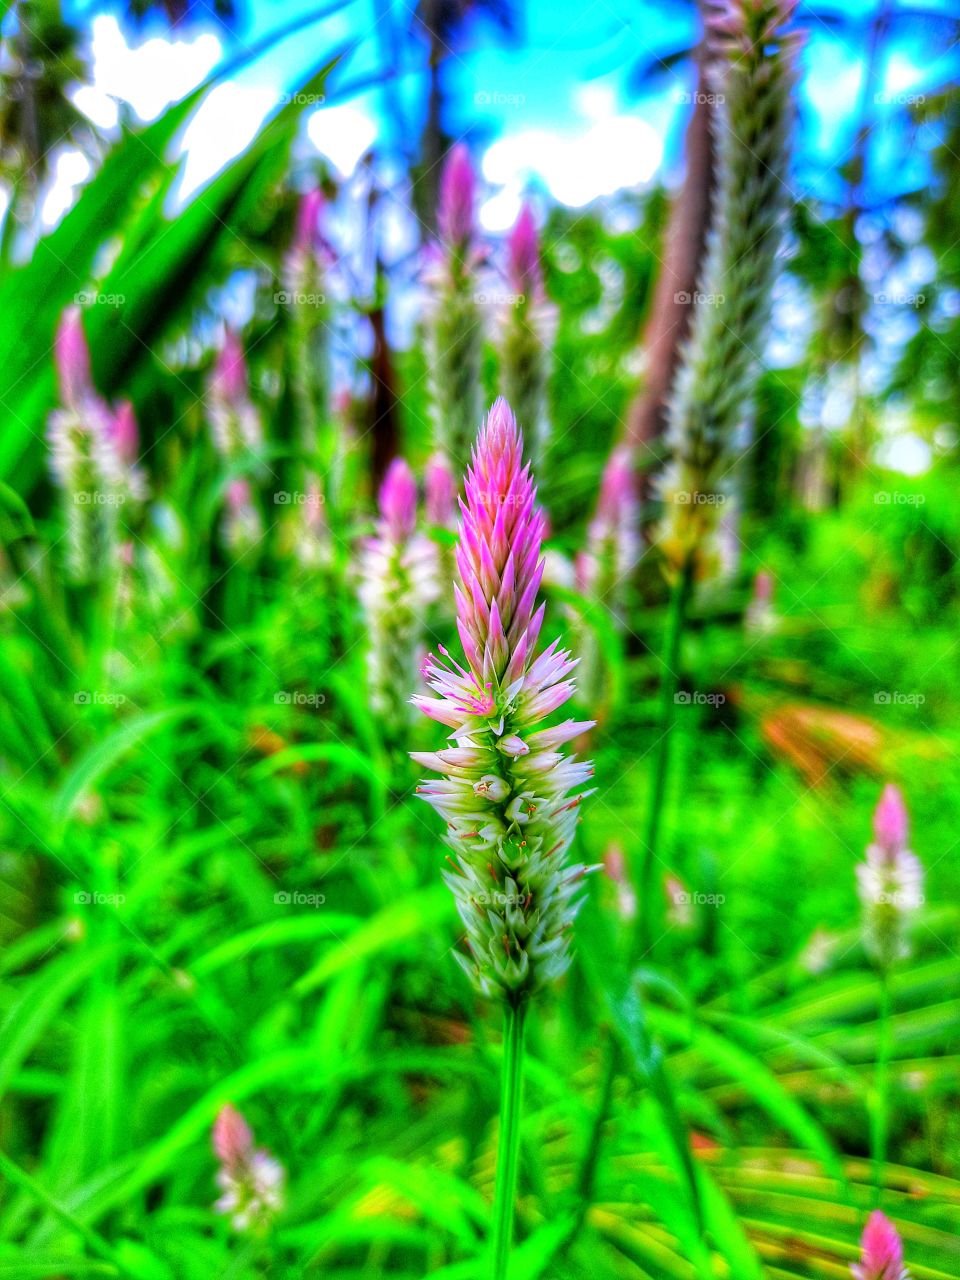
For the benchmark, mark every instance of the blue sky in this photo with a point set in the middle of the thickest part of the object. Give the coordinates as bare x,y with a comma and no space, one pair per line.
558,109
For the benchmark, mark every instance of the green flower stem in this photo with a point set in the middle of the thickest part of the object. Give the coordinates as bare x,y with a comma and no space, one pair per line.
508,1154
644,879
880,1111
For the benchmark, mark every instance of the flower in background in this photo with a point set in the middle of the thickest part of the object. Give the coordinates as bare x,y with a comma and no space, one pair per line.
614,545
398,579
526,329
754,67
250,1179
889,882
92,456
504,787
881,1248
440,494
233,417
306,298
760,617
615,867
312,540
243,523
455,332
679,902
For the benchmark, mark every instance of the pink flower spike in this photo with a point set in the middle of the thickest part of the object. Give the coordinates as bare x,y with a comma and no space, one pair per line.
457,184
881,1251
398,501
523,257
72,358
126,435
890,821
230,370
232,1136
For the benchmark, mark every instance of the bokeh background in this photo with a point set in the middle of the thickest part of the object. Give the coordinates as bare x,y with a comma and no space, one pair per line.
216,884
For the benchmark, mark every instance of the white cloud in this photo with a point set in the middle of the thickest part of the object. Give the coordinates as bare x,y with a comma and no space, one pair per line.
343,134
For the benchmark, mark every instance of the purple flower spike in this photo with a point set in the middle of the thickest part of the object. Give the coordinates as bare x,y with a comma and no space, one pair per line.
233,417
881,1251
890,822
457,193
504,789
398,501
72,358
440,493
523,257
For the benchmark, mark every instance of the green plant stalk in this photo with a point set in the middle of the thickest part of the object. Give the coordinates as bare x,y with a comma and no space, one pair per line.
644,878
880,1112
508,1154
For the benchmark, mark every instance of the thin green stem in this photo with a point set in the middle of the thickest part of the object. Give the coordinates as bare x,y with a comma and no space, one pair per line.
880,1112
508,1154
669,679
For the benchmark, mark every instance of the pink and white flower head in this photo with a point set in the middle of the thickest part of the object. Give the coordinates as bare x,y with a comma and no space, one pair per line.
233,418
881,1248
614,544
889,882
398,580
524,273
504,788
88,456
455,214
250,1179
615,868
